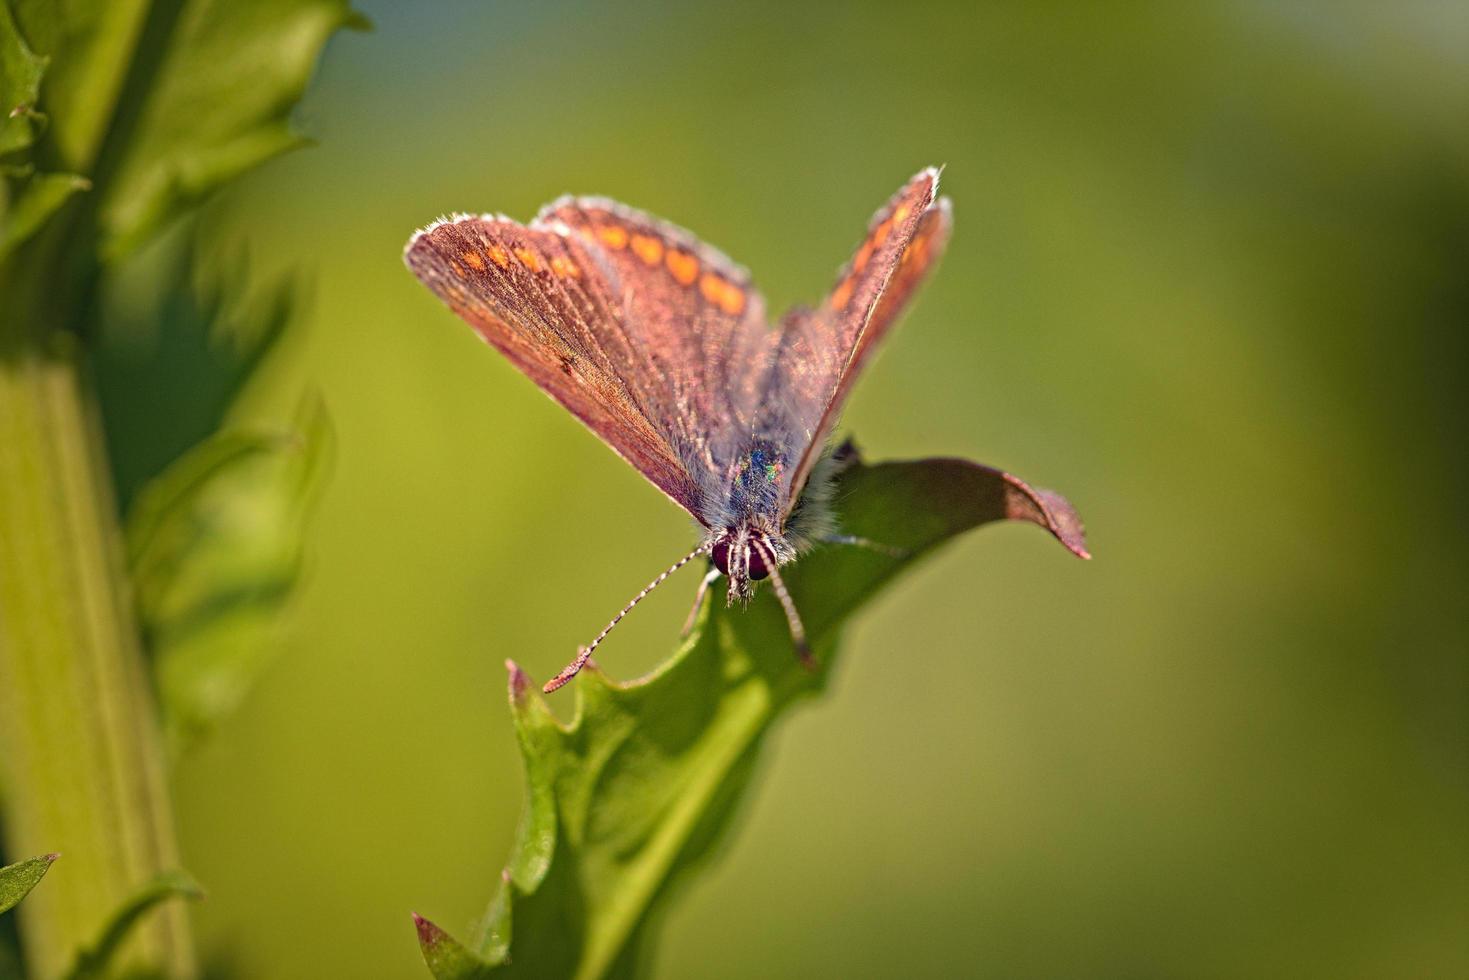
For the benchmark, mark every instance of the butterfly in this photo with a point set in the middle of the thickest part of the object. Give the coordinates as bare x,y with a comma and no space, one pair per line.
660,345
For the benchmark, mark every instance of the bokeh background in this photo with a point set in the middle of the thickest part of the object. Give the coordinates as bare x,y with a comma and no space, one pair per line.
1208,279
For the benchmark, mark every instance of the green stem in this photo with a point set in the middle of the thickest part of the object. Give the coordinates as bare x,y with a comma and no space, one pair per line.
81,759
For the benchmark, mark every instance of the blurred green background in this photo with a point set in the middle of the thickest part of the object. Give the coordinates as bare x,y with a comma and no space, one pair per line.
1208,279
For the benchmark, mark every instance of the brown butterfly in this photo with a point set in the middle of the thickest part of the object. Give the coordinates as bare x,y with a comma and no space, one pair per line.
660,345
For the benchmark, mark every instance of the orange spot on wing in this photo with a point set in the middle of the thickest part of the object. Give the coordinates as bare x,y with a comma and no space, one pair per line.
498,256
711,286
733,300
900,214
841,295
458,269
529,259
647,248
722,293
917,252
864,254
564,267
685,267
472,258
613,236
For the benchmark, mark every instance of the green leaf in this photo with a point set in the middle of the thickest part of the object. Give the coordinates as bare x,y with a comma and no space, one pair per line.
36,199
444,954
641,785
93,960
156,102
215,547
218,106
20,87
27,198
16,880
92,46
191,337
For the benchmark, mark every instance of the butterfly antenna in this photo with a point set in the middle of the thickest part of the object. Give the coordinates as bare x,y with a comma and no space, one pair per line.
793,618
585,653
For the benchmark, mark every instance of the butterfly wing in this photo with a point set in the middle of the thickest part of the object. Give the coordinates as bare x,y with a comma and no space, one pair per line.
549,304
821,352
695,317
632,347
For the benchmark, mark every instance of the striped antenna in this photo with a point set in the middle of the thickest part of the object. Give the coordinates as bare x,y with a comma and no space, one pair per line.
584,653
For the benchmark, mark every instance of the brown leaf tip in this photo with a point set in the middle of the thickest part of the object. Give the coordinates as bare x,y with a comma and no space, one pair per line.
1048,509
1065,522
519,683
429,935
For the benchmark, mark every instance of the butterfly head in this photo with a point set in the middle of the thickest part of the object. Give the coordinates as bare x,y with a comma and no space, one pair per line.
747,553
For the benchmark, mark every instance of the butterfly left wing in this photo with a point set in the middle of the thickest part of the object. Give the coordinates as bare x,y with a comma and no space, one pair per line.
551,304
821,352
696,317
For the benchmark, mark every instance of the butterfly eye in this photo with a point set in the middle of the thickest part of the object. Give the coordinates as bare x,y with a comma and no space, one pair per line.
721,555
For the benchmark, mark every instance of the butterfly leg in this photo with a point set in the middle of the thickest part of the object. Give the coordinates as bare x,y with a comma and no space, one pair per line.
688,624
793,618
868,543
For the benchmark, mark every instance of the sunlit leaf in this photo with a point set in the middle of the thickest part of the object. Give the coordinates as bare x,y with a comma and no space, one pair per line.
93,960
640,786
215,547
219,105
16,880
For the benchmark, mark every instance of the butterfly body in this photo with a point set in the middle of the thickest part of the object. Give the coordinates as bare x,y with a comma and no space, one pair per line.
659,344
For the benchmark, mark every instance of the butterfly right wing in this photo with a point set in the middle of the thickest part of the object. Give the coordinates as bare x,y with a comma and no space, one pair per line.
551,303
821,352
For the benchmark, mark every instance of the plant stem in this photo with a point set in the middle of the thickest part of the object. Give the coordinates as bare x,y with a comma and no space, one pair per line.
81,758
